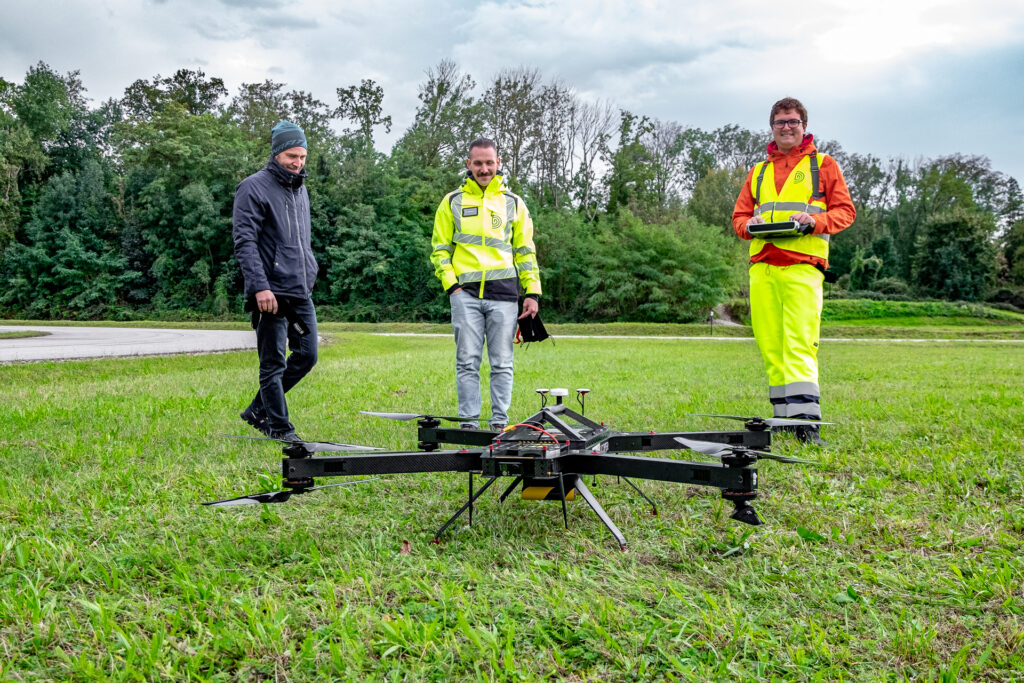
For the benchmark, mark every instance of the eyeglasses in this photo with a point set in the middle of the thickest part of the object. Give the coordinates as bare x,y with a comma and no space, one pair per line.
790,123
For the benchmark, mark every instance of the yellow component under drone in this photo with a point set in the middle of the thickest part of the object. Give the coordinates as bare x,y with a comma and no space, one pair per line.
545,493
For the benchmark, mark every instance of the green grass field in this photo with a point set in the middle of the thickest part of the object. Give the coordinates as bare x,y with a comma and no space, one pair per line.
900,557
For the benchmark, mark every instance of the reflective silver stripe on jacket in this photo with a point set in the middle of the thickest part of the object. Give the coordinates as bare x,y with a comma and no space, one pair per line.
787,206
456,206
524,250
478,275
445,247
493,242
510,215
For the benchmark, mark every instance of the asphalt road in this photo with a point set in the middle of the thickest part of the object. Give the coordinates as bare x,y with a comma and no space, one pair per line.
63,343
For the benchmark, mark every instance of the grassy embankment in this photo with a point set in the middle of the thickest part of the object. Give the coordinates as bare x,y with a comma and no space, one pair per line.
900,556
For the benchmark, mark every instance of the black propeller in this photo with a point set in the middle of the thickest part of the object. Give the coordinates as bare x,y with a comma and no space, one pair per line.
770,421
405,417
279,496
717,450
309,446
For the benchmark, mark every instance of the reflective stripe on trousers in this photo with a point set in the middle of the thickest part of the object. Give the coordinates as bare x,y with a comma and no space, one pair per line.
785,312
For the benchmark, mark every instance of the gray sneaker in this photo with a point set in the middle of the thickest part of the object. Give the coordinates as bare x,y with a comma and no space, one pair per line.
498,426
468,425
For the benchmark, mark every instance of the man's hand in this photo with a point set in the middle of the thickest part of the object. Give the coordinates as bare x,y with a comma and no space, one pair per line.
805,220
456,291
530,308
266,302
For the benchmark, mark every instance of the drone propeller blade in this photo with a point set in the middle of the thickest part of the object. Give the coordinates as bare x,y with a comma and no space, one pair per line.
717,450
310,446
254,499
408,416
770,421
331,446
280,496
782,458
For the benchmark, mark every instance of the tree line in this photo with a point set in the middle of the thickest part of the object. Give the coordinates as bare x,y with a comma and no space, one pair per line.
123,209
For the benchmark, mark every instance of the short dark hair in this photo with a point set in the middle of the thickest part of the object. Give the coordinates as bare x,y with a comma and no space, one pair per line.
785,104
483,142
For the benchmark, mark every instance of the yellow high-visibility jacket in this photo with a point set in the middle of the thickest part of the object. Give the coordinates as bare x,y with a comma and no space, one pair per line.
799,193
483,236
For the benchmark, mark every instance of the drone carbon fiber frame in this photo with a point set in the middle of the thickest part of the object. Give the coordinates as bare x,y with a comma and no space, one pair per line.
577,446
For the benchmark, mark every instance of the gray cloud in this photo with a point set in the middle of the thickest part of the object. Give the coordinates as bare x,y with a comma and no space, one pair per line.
697,63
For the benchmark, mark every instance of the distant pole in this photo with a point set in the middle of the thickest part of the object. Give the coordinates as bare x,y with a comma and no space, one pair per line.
711,322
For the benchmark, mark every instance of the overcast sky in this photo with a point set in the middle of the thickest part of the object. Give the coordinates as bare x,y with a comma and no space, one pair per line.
907,78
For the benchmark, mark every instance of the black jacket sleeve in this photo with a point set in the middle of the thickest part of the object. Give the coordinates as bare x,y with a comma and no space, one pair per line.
247,220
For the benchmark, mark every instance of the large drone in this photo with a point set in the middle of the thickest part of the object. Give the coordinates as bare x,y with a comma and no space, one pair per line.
548,455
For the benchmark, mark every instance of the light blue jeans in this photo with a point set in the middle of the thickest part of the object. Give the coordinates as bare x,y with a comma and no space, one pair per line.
475,321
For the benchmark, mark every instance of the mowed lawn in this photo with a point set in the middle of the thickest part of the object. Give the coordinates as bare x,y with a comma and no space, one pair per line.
901,556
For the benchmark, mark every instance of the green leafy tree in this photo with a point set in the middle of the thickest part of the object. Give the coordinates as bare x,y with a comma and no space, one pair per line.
667,272
191,90
715,195
179,193
364,106
1013,253
70,263
631,180
956,256
447,119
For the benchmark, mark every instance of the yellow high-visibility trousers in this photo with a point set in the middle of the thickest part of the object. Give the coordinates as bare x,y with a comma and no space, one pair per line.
785,312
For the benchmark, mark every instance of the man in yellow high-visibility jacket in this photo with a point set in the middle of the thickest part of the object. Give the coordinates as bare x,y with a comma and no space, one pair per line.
482,252
796,183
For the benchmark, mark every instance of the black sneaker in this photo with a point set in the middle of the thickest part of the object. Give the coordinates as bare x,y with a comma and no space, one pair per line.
288,437
256,420
810,434
498,426
468,425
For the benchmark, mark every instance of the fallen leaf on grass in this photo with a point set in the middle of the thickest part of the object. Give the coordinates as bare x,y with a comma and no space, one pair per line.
406,548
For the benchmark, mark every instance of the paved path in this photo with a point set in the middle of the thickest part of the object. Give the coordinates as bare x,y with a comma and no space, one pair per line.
64,343
725,339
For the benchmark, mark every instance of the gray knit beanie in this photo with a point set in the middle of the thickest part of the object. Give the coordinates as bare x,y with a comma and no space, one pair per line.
286,135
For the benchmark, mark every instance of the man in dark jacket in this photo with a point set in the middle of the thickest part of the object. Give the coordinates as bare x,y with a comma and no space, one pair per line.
272,245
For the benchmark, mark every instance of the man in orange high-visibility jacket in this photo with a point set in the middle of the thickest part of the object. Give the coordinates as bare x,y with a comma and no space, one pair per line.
795,183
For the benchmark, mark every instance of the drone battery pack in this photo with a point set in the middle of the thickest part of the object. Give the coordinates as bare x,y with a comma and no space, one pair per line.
767,231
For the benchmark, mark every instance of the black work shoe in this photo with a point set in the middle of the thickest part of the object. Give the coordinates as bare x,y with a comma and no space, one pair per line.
288,437
256,421
810,434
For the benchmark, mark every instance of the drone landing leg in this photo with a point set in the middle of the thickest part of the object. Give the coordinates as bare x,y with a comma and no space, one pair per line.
599,511
515,483
561,489
654,508
467,505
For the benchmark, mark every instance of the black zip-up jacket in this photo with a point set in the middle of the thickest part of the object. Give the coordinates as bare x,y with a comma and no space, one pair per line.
272,232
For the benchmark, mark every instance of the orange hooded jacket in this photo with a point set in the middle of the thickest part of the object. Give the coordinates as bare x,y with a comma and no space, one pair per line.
839,216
